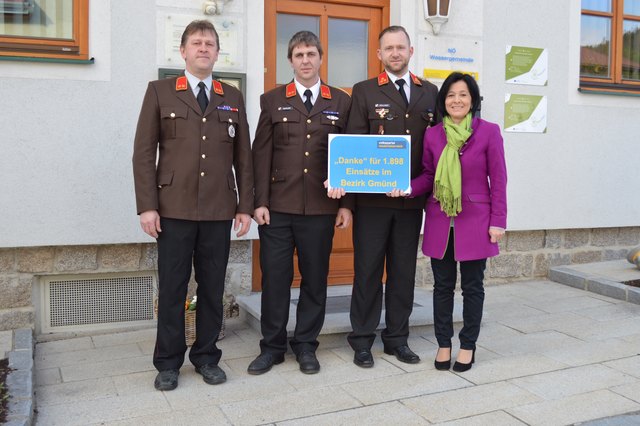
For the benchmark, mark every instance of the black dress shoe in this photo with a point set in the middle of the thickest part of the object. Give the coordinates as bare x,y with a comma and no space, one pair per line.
308,362
363,358
264,362
212,374
167,380
460,367
404,354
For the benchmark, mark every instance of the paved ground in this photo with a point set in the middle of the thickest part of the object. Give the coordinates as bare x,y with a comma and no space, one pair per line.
548,354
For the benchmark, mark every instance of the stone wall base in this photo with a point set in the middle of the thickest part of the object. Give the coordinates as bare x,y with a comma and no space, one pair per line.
524,255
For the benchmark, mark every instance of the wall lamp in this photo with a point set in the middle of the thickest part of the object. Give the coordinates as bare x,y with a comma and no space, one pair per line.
436,12
214,7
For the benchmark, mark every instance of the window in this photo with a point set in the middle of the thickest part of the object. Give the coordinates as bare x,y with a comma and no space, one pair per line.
56,29
610,45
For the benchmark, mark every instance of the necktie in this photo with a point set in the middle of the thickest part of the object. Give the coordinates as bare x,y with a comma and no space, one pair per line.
400,82
307,101
203,101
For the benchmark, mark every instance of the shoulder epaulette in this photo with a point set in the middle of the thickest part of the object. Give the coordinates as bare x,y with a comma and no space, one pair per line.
290,90
181,83
415,79
383,79
325,92
217,87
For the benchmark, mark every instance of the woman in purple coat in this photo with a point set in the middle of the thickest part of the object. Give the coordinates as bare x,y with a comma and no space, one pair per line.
466,213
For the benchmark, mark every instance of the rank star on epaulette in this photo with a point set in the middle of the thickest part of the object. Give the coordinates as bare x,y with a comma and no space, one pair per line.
383,79
415,79
181,83
325,92
217,87
291,90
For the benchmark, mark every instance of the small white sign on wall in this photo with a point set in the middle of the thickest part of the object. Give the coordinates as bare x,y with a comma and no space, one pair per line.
231,56
439,56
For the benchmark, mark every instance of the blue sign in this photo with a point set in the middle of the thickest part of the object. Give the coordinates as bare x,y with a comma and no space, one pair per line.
370,163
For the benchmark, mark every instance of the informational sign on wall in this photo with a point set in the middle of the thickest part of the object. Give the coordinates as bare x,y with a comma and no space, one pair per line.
440,56
525,113
229,31
526,65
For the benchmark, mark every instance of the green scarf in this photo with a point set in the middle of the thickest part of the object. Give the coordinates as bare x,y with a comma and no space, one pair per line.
447,188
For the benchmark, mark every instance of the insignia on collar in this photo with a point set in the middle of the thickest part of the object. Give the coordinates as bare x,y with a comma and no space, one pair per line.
290,90
181,83
383,79
415,79
325,92
217,87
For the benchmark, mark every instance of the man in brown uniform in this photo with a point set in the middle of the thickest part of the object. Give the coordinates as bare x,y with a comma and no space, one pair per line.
291,203
394,103
188,200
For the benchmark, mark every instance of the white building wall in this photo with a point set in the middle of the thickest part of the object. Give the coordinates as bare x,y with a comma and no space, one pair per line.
67,130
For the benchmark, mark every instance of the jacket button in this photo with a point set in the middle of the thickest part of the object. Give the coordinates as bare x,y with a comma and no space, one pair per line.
306,154
204,156
172,115
333,123
204,138
284,119
406,116
308,121
201,173
305,170
408,131
308,136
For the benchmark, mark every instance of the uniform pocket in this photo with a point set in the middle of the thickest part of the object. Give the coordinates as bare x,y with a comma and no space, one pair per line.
164,179
172,118
280,121
228,125
277,175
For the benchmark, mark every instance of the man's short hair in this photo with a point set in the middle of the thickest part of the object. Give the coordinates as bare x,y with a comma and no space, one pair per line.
308,39
199,26
394,29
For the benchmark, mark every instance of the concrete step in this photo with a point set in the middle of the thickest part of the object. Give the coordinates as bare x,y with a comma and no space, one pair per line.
337,313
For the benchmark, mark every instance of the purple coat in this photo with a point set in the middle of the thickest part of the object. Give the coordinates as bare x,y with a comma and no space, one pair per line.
484,193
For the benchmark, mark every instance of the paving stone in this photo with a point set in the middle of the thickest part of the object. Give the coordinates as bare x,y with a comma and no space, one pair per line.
76,392
66,345
604,330
118,339
22,360
92,356
509,367
583,353
572,381
562,304
480,399
529,343
629,365
496,418
384,414
205,415
279,407
630,390
20,384
20,408
105,369
104,410
120,257
617,311
47,376
567,276
35,259
573,409
23,339
633,295
607,288
542,322
402,386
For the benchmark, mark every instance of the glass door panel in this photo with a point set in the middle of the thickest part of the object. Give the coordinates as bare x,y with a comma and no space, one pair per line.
347,52
287,26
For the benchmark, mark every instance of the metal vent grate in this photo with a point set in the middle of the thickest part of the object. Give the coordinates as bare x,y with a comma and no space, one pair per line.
74,302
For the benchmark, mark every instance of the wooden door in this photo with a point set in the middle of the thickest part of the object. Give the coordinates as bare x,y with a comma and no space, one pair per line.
349,32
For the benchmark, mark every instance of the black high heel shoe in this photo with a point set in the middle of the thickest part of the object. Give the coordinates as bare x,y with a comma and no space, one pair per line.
460,367
442,365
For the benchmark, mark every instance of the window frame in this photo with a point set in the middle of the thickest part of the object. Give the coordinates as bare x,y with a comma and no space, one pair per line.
614,83
76,48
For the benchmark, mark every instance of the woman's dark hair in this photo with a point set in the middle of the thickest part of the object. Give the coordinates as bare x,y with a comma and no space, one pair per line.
455,77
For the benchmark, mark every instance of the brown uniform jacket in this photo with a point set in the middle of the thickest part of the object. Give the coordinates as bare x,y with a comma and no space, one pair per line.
193,179
290,150
380,93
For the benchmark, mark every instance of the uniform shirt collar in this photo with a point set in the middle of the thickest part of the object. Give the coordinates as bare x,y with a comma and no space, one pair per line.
406,77
193,83
315,89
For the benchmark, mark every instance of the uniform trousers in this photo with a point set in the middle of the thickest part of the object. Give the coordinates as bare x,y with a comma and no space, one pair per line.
312,237
471,282
381,234
205,244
